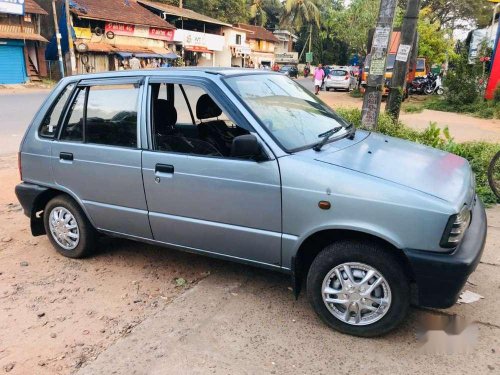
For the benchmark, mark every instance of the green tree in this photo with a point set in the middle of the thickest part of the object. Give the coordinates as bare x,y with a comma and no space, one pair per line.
258,14
274,10
230,11
451,12
299,13
434,43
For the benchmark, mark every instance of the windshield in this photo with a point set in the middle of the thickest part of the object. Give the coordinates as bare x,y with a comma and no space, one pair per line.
285,68
420,65
291,114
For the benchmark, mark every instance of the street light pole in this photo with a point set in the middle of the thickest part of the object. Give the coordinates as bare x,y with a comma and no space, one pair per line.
378,63
71,50
58,38
398,82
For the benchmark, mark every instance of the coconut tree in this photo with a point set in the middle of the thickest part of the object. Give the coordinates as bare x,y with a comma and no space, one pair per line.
258,13
300,13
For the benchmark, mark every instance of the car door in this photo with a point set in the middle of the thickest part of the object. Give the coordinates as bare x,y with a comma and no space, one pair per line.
96,157
200,198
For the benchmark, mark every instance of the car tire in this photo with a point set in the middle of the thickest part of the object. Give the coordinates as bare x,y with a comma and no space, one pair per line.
393,292
68,228
327,88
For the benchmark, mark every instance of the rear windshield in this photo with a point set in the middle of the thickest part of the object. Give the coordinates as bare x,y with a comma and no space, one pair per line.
339,73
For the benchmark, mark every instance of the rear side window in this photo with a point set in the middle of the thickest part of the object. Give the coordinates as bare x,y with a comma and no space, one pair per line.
50,123
73,129
105,115
112,115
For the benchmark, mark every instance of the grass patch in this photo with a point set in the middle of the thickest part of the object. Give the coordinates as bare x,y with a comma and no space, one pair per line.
479,154
356,93
487,109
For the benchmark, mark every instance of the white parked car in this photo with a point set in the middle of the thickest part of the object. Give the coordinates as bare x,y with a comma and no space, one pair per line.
340,78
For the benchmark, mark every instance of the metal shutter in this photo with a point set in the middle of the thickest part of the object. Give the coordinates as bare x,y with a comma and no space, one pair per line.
12,68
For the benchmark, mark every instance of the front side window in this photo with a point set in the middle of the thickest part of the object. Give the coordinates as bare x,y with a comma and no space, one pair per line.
292,115
112,115
50,123
186,119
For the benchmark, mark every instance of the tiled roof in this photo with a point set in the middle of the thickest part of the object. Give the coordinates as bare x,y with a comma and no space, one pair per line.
258,32
22,36
30,6
122,11
182,12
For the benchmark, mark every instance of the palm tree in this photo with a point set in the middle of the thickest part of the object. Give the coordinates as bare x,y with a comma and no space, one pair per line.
258,13
299,13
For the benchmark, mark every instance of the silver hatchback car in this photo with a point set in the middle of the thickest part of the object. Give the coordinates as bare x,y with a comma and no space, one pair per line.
249,166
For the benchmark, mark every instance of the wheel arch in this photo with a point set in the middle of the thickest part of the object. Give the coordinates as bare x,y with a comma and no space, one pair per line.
315,242
39,203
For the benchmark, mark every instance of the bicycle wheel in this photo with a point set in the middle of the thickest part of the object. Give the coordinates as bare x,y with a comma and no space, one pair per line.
494,174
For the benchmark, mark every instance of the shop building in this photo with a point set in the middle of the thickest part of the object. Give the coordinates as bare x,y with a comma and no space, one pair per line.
107,34
22,48
200,40
262,45
285,48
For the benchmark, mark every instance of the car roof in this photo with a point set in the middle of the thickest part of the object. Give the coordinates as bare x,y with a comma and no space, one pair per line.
206,72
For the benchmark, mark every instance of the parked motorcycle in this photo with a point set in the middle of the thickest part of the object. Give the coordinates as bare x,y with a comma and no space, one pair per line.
431,84
435,85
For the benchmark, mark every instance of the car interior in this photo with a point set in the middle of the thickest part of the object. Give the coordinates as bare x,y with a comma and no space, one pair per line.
209,132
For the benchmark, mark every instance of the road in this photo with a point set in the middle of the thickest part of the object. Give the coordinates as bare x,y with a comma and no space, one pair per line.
16,112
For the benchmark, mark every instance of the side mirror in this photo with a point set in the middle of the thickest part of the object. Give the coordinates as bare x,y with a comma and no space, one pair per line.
247,147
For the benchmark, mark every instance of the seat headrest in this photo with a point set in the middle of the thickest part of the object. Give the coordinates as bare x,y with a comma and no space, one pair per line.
165,115
207,108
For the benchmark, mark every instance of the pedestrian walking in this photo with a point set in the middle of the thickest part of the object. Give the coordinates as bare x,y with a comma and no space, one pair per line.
134,62
326,69
318,76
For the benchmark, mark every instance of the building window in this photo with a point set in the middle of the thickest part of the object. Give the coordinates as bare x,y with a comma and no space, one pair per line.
238,39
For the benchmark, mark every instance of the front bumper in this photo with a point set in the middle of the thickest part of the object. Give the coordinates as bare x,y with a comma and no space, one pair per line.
440,277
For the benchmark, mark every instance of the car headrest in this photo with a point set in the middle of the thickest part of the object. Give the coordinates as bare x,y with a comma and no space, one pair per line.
165,116
207,108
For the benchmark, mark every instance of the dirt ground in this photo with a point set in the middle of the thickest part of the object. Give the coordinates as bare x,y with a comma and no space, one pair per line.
462,127
139,309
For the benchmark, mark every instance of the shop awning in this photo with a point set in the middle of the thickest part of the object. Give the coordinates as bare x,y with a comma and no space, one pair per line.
22,36
125,51
151,55
198,49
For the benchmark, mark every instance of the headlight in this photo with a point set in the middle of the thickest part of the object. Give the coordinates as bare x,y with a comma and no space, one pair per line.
456,227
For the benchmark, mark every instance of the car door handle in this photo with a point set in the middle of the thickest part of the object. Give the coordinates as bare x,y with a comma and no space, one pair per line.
66,156
164,168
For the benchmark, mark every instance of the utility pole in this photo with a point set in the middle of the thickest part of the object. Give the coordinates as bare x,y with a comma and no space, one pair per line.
58,39
71,50
402,63
310,36
378,63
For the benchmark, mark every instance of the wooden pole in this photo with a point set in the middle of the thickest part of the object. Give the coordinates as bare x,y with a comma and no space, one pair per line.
378,63
58,39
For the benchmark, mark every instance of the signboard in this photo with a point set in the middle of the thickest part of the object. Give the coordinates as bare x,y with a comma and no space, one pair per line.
83,32
309,57
381,37
140,31
12,7
287,57
403,52
195,40
377,66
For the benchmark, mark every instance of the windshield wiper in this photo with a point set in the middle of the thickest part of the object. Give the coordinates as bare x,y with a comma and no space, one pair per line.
352,131
326,136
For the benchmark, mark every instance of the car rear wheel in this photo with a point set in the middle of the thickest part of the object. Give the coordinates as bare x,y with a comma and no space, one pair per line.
358,288
67,228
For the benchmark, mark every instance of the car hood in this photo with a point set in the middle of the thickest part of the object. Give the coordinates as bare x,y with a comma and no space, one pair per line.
428,170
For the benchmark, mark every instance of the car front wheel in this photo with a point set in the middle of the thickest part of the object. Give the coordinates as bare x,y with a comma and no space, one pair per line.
358,288
67,227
